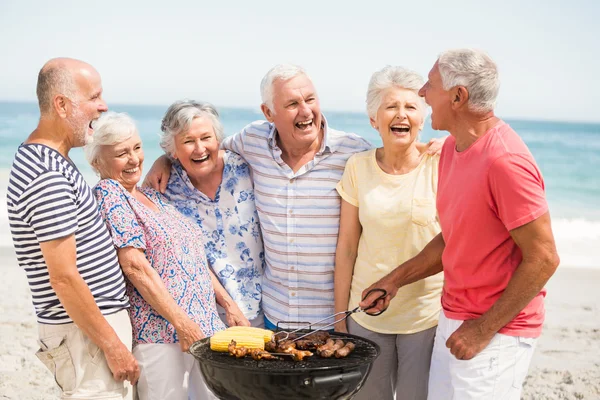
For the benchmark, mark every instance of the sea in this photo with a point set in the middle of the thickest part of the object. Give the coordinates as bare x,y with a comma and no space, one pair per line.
567,153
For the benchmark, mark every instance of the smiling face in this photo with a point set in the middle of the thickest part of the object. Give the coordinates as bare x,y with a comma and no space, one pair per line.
439,100
197,149
400,117
121,162
87,106
296,111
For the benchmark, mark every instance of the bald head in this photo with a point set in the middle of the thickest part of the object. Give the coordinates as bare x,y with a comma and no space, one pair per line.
60,76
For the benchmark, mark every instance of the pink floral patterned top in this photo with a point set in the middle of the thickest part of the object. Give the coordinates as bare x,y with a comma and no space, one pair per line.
174,248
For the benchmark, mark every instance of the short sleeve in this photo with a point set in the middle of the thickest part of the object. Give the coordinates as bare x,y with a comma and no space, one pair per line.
517,189
347,187
49,206
235,142
118,215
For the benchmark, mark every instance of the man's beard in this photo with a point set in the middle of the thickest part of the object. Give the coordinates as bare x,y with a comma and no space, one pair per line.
80,124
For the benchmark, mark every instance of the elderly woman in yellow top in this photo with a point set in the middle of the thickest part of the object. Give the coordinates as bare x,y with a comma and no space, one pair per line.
388,215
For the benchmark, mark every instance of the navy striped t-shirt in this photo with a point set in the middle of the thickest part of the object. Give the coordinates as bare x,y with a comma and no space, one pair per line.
48,199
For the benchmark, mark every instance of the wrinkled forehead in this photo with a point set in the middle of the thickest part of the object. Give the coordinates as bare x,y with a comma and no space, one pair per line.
298,86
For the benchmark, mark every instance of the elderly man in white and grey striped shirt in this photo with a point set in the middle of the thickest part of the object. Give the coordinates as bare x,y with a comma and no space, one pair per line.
296,160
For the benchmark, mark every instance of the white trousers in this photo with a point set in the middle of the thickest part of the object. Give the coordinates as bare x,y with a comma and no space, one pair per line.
497,373
78,365
168,373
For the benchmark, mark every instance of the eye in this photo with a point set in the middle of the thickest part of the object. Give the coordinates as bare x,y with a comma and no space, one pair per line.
310,100
205,138
293,104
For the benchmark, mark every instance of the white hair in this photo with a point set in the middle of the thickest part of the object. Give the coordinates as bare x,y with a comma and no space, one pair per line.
474,70
179,117
110,129
388,77
284,72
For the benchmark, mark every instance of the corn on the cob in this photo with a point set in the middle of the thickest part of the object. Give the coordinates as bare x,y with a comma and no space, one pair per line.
266,334
244,336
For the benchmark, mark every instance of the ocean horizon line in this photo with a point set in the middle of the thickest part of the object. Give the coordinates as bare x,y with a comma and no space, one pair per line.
256,110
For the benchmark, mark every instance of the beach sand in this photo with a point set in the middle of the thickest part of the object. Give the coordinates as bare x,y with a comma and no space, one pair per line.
566,364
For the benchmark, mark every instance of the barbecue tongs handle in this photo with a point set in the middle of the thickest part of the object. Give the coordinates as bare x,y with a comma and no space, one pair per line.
374,303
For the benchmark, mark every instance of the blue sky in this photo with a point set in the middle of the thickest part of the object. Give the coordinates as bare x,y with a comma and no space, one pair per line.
153,52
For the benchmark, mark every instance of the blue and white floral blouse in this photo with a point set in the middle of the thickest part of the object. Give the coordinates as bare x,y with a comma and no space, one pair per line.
232,239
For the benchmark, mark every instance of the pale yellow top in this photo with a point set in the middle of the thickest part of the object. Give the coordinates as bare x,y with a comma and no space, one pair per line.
398,218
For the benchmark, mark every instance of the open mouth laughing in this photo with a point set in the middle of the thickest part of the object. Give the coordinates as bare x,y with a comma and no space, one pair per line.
304,125
400,128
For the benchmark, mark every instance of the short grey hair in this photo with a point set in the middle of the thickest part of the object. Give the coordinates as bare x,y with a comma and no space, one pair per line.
388,77
280,71
476,71
179,117
110,129
52,81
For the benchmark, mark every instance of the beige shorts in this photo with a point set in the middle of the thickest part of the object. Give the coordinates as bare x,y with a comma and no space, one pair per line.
78,365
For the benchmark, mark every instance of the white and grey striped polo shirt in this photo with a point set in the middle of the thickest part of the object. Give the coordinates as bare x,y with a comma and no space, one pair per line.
48,199
299,217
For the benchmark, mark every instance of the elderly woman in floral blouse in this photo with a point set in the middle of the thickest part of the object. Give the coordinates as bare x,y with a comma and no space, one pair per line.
214,189
169,283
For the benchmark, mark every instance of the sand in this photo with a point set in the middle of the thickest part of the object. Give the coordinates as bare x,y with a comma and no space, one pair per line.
566,364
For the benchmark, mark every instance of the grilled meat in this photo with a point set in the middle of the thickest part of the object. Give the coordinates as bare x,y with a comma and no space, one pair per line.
238,352
344,351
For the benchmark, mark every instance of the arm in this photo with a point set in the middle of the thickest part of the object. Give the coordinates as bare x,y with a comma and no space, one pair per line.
158,176
428,262
147,281
60,256
345,257
539,263
234,315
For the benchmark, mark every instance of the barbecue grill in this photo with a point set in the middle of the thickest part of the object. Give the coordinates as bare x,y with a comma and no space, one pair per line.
231,378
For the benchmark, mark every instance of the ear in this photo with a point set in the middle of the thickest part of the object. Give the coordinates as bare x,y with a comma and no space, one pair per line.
267,112
460,97
373,123
60,104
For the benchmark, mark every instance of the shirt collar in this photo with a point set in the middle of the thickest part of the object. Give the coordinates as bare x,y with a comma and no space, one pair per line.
326,146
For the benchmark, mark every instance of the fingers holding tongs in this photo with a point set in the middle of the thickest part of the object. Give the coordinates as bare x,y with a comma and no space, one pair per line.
377,303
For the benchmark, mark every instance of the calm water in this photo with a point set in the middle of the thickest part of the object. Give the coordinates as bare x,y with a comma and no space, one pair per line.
567,153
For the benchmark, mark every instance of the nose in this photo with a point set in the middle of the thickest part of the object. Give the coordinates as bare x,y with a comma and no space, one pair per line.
305,109
134,158
422,91
102,106
199,146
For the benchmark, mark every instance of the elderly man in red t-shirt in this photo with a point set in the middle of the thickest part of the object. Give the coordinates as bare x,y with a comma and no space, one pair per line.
496,248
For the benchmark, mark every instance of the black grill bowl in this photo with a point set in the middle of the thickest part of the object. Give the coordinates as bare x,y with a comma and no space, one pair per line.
231,378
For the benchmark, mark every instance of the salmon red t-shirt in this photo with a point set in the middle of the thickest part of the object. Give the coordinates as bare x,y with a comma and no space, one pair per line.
484,192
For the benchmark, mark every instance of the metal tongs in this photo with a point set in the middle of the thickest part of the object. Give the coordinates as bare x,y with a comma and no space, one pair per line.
345,313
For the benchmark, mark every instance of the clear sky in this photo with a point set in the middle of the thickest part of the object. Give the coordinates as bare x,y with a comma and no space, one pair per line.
154,52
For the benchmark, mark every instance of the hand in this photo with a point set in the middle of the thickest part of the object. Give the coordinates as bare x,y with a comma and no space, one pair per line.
386,283
122,363
235,317
158,176
188,333
434,147
341,327
469,340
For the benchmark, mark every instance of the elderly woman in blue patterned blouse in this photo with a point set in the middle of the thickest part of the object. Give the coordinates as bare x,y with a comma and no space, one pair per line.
213,188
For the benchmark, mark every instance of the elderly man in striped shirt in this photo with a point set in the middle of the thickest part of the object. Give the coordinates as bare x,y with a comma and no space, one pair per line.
77,286
297,160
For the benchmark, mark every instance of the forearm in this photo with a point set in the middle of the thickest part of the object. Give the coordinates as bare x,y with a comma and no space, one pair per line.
221,295
147,281
527,281
78,301
427,263
344,269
